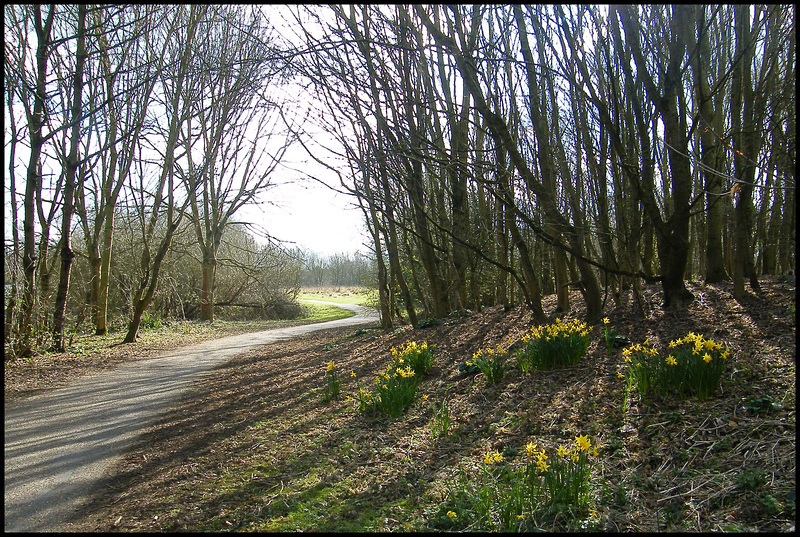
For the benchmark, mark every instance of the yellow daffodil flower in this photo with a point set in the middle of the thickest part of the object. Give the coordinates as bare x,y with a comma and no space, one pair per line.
543,466
583,443
492,457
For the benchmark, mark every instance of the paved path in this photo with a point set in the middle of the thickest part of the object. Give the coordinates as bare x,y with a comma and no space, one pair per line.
60,443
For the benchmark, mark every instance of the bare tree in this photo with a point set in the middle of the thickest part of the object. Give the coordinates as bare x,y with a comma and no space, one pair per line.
34,84
72,163
237,135
162,199
131,46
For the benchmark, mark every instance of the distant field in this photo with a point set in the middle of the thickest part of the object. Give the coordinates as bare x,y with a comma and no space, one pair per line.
323,312
341,295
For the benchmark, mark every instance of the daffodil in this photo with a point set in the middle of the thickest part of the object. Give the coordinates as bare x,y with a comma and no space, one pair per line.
451,514
706,357
605,320
492,457
583,443
530,448
620,375
562,451
330,366
671,360
543,466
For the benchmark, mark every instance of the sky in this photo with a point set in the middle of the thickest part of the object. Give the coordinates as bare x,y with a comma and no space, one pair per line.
311,216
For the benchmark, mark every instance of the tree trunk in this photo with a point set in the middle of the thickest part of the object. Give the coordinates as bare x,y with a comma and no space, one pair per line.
67,254
144,295
746,145
207,291
531,290
672,236
383,284
101,319
391,243
36,122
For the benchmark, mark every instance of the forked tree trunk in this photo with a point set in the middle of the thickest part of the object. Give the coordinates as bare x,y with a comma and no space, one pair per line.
67,254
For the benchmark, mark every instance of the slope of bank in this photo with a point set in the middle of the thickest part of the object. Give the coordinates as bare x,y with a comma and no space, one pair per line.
255,448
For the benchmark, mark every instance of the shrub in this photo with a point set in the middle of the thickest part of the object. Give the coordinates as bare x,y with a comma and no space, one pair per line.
554,345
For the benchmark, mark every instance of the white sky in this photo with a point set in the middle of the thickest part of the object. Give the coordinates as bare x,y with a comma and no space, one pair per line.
311,216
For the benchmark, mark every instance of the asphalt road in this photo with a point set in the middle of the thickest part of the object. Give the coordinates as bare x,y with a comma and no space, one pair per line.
59,444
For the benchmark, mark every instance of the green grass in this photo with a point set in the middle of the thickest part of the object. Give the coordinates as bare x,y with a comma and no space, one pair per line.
318,313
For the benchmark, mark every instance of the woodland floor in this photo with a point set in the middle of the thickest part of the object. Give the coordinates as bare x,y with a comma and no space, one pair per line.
254,448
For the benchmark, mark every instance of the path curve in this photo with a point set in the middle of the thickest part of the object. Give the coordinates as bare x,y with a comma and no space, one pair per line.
59,444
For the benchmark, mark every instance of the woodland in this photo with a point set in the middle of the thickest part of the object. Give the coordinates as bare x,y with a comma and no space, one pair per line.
499,154
628,171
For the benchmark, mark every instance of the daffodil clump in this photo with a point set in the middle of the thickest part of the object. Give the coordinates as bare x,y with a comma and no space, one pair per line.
395,388
491,362
554,345
565,480
332,382
516,497
691,366
417,355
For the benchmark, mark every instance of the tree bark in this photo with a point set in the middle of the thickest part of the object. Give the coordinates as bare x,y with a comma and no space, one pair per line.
36,123
672,236
73,162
